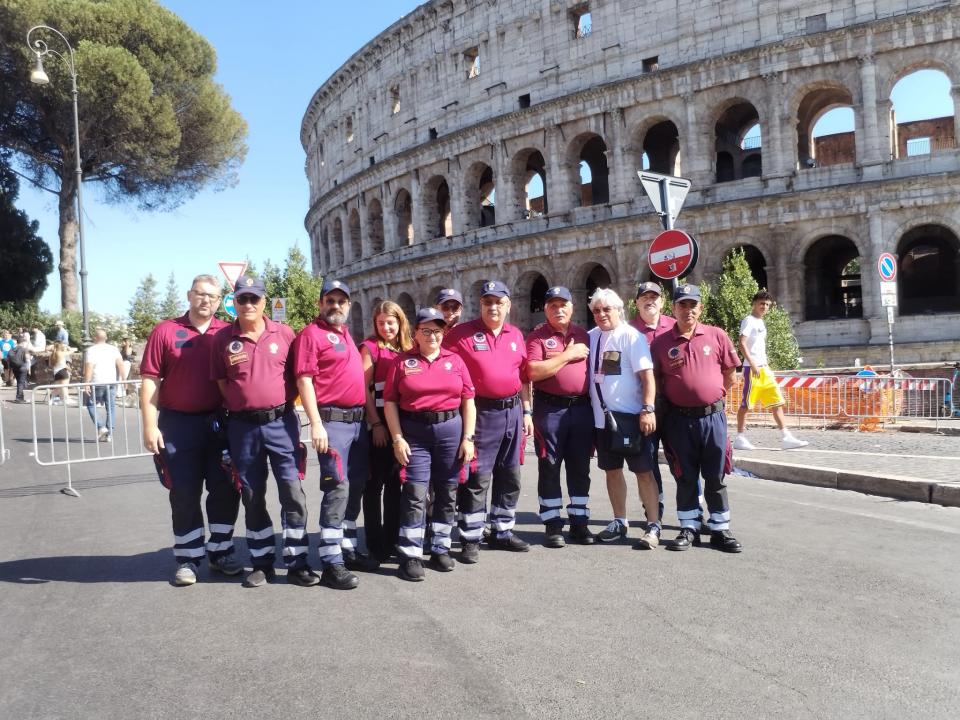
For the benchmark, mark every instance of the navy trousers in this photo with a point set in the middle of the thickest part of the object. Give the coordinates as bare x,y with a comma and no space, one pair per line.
343,474
563,436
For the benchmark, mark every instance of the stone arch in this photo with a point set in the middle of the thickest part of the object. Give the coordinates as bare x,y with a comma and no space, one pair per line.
922,62
336,244
375,226
526,165
831,272
324,248
435,195
929,270
407,304
403,214
528,297
661,146
480,195
354,250
816,100
587,154
735,118
755,259
914,132
356,320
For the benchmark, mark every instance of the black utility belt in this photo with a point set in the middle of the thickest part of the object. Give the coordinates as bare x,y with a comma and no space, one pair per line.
561,400
430,417
700,411
261,417
344,415
497,403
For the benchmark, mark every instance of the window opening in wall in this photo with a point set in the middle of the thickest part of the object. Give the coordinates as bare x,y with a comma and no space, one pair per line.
738,143
755,261
661,148
751,138
348,132
538,293
320,154
488,199
471,58
832,279
524,100
535,199
373,161
832,139
402,209
582,21
929,280
594,174
644,162
530,174
651,64
395,100
599,277
432,132
922,110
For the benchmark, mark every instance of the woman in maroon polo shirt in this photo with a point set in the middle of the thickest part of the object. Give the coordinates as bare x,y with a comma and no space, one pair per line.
428,404
391,336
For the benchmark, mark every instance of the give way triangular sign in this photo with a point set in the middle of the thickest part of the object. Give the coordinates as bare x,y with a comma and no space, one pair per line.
677,189
232,271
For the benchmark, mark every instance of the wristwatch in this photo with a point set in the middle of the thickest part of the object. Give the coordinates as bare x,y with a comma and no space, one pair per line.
647,409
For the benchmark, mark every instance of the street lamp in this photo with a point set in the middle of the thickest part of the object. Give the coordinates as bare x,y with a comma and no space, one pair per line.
38,76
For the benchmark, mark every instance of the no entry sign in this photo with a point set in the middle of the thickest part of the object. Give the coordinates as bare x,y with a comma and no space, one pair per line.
672,253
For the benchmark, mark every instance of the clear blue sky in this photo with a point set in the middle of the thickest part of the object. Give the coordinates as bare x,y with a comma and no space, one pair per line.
272,57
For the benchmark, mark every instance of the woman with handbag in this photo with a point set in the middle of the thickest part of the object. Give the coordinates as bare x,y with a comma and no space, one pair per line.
622,394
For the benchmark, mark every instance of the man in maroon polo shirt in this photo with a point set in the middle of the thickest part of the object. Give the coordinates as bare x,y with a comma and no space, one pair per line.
694,365
495,355
562,418
329,373
252,364
179,405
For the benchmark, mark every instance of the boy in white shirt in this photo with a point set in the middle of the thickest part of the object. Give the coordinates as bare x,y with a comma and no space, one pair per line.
753,347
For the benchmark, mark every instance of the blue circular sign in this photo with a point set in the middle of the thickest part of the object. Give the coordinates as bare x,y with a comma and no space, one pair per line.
887,266
228,306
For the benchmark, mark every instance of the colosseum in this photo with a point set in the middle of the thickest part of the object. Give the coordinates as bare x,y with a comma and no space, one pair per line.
502,138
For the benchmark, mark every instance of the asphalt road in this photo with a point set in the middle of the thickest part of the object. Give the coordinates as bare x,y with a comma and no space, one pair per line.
841,604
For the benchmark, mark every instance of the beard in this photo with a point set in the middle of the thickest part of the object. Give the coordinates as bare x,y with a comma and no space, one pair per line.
335,317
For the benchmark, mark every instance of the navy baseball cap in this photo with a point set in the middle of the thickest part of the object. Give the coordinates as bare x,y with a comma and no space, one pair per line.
249,285
558,291
429,314
331,285
686,292
448,294
646,287
494,287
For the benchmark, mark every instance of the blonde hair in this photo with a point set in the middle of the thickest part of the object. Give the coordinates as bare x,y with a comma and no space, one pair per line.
388,307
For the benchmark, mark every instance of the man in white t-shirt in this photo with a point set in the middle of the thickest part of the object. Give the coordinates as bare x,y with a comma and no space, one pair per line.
102,367
622,386
753,347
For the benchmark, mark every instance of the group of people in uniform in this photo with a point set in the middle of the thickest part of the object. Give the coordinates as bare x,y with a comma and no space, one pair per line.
423,427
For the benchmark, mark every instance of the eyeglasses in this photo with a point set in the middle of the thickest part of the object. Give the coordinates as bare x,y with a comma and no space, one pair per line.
427,332
205,296
246,300
603,311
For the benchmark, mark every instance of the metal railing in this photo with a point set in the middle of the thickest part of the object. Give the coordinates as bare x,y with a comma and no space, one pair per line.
72,424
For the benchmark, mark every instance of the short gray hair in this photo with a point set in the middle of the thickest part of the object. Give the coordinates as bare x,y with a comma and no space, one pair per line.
205,279
605,297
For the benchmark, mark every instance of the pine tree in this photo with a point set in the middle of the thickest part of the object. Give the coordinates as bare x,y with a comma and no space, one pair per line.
144,308
172,305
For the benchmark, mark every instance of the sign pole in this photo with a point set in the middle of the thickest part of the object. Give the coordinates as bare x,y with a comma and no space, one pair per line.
890,333
666,219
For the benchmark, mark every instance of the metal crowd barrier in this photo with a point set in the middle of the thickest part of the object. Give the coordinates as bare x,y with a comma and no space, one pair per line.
64,432
4,453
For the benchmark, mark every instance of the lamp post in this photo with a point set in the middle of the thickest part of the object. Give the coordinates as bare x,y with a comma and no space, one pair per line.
39,77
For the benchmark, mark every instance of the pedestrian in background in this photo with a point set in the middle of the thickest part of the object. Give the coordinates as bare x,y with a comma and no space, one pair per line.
102,368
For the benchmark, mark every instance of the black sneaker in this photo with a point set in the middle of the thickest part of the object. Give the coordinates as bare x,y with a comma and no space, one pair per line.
553,537
723,540
686,538
616,530
304,577
339,578
354,560
469,552
260,577
441,562
510,543
581,535
411,569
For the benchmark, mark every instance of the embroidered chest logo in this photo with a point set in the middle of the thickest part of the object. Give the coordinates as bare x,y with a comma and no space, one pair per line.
479,337
706,351
411,366
673,353
411,362
273,348
333,338
448,365
235,347
550,343
513,346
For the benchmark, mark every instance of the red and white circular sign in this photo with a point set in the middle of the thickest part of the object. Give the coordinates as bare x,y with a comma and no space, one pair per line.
672,253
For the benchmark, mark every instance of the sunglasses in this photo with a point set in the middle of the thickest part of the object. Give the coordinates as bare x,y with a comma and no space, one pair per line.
246,300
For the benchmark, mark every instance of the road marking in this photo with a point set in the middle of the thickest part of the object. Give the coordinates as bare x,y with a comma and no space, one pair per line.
860,513
857,452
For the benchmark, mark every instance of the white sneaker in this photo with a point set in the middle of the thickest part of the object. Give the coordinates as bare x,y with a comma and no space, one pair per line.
791,443
185,575
741,443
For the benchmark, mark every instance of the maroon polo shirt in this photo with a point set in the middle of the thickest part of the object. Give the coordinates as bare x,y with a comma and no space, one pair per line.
179,355
328,355
663,324
417,384
383,358
497,364
258,374
690,372
545,342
